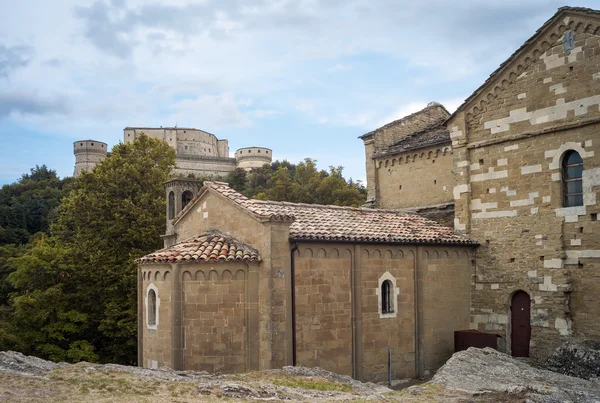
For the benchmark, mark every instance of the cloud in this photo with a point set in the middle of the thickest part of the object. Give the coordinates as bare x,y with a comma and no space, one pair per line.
339,67
29,103
209,111
11,58
104,29
264,113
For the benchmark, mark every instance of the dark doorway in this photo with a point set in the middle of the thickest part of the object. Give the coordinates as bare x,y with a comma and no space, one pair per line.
520,324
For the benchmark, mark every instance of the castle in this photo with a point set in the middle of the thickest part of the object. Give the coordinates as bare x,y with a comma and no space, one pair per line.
198,152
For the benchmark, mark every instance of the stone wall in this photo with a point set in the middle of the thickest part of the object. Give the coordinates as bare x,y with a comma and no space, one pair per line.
378,331
446,292
157,342
273,282
340,325
88,153
508,144
323,308
416,178
215,317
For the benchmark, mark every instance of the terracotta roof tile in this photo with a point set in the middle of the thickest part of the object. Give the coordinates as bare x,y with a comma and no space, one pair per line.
211,246
345,224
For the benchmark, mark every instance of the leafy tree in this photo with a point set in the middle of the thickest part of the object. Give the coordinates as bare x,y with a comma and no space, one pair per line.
301,183
79,285
27,206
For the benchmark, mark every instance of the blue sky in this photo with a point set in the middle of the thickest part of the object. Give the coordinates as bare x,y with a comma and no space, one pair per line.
303,77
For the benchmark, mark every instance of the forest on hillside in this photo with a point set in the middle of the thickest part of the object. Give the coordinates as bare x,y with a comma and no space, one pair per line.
67,246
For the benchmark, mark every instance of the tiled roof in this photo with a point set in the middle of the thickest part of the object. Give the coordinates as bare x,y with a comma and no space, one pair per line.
211,246
433,113
531,40
345,224
435,134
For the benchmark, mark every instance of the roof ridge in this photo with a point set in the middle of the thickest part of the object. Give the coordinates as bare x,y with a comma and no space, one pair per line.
333,206
506,63
430,105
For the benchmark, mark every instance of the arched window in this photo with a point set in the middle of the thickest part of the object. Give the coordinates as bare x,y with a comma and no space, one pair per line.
152,307
186,197
572,170
171,205
387,294
387,305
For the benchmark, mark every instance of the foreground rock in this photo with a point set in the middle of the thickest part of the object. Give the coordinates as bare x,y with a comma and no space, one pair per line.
580,359
24,378
480,371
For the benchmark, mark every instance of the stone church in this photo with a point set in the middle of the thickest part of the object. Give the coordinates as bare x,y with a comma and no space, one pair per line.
247,284
519,161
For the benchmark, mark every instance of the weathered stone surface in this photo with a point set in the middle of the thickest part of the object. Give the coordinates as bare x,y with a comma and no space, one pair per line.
576,359
486,370
11,361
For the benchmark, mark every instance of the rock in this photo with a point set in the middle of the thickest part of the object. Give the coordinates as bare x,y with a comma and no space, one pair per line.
580,359
486,370
12,361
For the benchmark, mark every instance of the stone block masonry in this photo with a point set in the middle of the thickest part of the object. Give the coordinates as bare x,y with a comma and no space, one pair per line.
509,140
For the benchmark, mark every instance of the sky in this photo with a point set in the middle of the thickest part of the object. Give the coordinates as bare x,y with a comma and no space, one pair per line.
302,77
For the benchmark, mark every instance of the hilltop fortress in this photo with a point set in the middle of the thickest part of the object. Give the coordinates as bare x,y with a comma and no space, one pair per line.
198,152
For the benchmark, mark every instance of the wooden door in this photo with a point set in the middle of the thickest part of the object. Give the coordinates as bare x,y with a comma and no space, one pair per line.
520,324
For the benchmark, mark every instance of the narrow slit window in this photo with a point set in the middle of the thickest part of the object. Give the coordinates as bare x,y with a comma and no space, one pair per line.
387,305
171,206
151,307
572,171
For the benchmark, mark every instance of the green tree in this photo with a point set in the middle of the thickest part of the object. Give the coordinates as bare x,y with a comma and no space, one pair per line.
80,284
27,206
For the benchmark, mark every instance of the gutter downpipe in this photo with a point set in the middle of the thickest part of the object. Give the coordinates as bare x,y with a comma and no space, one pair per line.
293,250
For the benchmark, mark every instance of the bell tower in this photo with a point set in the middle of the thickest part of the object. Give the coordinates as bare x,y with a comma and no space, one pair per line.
179,192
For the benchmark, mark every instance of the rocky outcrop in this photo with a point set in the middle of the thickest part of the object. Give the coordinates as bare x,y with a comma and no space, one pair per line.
479,371
580,359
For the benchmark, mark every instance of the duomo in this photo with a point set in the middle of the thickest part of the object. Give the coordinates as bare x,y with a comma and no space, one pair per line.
198,152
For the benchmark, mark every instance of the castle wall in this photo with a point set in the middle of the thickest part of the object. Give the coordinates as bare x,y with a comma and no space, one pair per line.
88,153
204,166
253,157
508,146
416,178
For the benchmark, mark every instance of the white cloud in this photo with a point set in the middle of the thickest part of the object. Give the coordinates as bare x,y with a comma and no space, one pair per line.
210,111
339,67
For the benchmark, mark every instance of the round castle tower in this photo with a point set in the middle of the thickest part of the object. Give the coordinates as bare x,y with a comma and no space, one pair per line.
253,157
87,154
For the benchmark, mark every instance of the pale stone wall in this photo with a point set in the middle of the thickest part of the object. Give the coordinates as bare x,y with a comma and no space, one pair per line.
204,166
88,153
445,301
508,143
253,157
340,326
214,317
157,342
416,178
273,283
323,308
398,331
